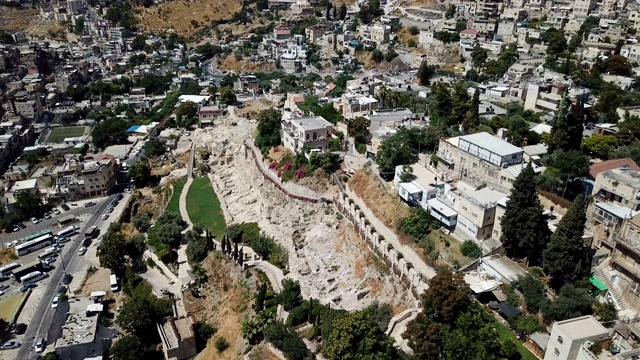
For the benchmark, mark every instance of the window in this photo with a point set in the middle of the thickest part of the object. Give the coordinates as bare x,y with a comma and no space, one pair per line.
560,341
315,136
556,351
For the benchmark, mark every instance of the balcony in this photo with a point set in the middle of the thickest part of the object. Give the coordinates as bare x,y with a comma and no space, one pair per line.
446,158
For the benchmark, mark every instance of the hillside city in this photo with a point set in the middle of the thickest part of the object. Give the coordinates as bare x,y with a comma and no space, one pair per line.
320,179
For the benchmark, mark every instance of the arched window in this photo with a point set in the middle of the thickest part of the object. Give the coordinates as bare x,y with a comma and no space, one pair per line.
307,137
315,136
560,340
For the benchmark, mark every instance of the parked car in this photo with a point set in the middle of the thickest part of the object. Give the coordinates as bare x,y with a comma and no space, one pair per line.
65,207
4,287
104,216
4,278
82,251
61,290
119,197
67,279
109,210
47,216
40,345
89,204
34,220
27,286
10,345
63,240
55,211
54,303
22,225
20,329
16,228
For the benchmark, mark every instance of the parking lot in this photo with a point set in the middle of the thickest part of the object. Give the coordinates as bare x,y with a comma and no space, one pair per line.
37,312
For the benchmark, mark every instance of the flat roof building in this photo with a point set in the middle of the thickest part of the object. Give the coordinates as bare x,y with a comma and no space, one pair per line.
178,338
569,338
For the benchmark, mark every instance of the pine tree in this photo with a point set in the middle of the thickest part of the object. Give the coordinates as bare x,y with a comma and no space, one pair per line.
566,258
524,228
472,120
425,73
566,129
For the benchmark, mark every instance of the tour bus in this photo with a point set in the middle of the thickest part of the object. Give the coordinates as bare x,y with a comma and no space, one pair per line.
114,282
33,245
48,252
67,231
7,269
33,277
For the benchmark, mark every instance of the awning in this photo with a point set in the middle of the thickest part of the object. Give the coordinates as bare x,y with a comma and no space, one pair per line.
598,283
95,308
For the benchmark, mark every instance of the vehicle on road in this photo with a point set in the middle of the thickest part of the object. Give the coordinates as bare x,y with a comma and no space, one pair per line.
32,277
33,245
20,329
89,204
10,345
82,251
49,252
66,279
114,282
128,190
109,210
8,268
92,232
54,303
21,225
4,287
119,197
63,240
65,207
47,216
104,216
186,133
34,220
69,230
86,242
4,278
40,345
61,290
28,286
48,261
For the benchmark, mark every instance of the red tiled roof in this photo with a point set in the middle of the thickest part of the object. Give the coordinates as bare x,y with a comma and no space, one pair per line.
469,31
598,168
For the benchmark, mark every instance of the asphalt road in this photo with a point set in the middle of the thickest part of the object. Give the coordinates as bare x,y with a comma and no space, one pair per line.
44,314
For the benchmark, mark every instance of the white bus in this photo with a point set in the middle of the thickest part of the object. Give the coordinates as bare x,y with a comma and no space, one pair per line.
48,252
66,231
114,282
33,277
7,269
33,245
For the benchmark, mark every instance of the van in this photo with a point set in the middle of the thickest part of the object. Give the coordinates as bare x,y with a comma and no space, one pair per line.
32,277
114,282
91,232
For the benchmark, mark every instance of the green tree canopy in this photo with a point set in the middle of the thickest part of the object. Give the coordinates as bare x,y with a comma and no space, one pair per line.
268,128
524,228
566,128
566,258
140,173
402,147
127,348
228,96
600,145
111,253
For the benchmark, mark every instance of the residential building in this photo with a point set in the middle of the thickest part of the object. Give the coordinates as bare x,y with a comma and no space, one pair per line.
207,115
421,189
98,177
313,132
476,210
354,105
625,252
582,8
377,33
617,197
479,159
607,165
82,337
570,339
178,338
314,32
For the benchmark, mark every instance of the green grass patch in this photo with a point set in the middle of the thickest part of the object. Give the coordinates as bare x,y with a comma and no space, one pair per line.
507,334
204,208
174,202
9,305
60,133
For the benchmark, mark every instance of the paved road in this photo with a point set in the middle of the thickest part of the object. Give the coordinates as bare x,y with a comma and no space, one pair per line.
43,315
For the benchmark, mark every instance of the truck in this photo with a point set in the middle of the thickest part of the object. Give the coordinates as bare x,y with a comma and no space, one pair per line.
114,282
91,232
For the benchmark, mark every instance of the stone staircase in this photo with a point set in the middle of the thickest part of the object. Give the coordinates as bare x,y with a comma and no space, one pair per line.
603,274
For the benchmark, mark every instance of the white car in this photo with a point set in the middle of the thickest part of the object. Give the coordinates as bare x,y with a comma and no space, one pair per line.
34,220
105,216
187,133
82,251
55,211
54,303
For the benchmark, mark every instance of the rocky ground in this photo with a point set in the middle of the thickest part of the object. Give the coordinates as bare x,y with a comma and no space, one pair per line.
325,255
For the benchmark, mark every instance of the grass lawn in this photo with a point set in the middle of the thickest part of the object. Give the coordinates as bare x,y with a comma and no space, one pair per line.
174,202
60,133
505,334
9,305
203,207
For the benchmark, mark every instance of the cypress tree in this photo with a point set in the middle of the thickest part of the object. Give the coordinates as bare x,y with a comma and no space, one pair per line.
524,228
223,245
241,257
566,129
235,251
260,297
472,119
565,258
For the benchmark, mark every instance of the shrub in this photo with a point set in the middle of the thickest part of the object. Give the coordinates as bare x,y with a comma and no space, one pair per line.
151,263
221,344
286,340
419,223
470,249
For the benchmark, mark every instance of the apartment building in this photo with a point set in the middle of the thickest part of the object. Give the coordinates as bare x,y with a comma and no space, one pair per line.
570,339
582,8
479,159
208,114
545,96
178,338
476,210
377,33
99,176
617,196
313,132
625,251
